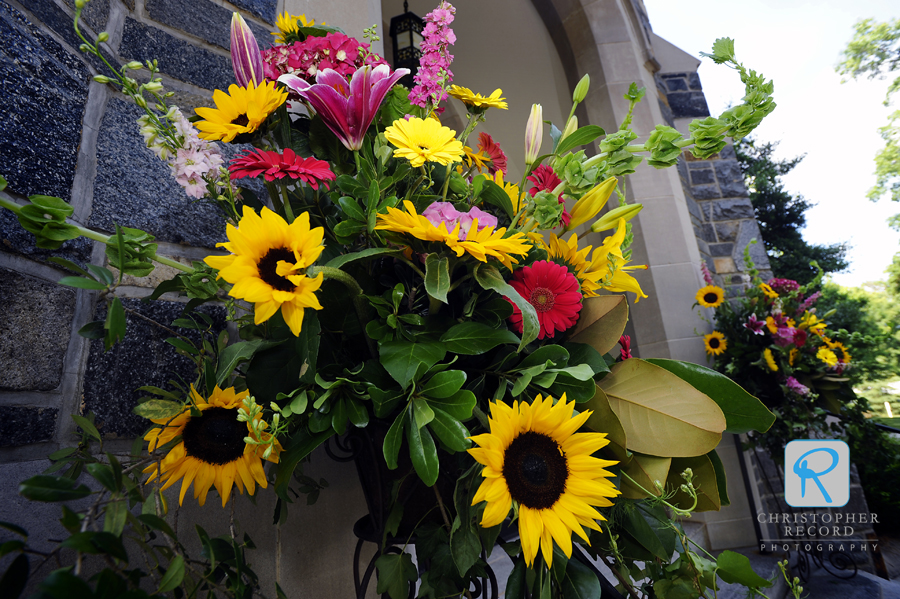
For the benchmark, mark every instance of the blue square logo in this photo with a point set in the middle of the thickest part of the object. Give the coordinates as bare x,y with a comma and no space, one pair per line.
817,473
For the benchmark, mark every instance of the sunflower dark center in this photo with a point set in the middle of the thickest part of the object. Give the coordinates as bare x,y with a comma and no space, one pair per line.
711,298
714,343
268,268
216,437
542,299
241,120
535,470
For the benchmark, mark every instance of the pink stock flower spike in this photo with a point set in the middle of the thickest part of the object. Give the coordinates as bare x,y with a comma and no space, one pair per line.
246,59
273,166
347,109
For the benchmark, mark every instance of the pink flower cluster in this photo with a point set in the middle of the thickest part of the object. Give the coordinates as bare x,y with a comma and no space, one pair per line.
304,59
434,67
796,386
707,276
809,302
783,286
444,212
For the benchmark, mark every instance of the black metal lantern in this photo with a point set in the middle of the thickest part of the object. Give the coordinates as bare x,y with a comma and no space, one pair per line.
406,34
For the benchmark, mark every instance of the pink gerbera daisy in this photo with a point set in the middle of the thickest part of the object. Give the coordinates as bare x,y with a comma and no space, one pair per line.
553,291
272,166
488,146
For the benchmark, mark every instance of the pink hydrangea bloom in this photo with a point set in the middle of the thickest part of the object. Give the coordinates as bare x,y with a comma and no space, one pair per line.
783,286
444,212
484,220
795,386
305,59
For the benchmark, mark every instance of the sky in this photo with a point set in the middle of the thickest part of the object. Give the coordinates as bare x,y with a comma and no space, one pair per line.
798,44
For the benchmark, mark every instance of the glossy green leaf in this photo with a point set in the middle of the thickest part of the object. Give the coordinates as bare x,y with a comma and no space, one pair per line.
361,255
743,412
719,468
579,137
422,413
14,527
465,548
81,283
459,405
158,409
395,572
115,323
555,354
582,353
173,576
157,523
423,453
515,584
393,440
234,354
581,582
601,322
437,277
52,488
490,278
574,389
474,338
104,474
302,444
62,584
444,384
114,517
10,546
402,358
449,430
735,568
494,194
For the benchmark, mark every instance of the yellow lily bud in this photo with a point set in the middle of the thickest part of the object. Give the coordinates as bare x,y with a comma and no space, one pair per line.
571,127
581,89
534,133
611,218
591,203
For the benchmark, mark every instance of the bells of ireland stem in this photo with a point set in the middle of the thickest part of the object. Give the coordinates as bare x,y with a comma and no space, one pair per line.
591,203
534,133
245,55
611,218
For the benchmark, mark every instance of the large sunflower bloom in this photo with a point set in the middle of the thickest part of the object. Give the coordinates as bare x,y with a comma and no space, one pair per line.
289,27
241,110
212,449
267,264
715,343
534,457
711,296
421,141
479,244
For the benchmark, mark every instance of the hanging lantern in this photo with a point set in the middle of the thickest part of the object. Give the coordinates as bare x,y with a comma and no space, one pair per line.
406,34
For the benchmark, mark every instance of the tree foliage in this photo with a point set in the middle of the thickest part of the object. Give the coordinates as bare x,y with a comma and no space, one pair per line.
781,215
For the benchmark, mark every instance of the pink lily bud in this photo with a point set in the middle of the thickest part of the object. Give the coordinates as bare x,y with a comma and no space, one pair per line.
245,55
534,133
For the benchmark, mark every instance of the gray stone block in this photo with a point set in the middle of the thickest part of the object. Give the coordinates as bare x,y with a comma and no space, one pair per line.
733,189
95,13
176,57
208,21
721,249
60,22
707,208
112,378
672,75
676,85
156,203
732,210
264,9
705,192
35,326
727,153
21,425
16,240
727,231
728,170
694,82
702,176
708,234
688,104
694,209
699,164
41,108
750,230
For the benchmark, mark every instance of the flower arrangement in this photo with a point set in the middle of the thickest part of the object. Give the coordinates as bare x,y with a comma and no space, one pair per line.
390,286
773,342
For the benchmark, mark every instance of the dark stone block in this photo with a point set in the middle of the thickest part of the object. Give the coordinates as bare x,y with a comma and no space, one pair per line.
676,85
156,203
21,425
35,326
700,165
672,75
694,82
708,234
264,9
733,189
111,379
720,249
727,231
707,208
203,19
733,210
16,240
727,153
705,192
750,230
694,209
688,104
176,57
728,170
95,13
702,176
41,108
60,22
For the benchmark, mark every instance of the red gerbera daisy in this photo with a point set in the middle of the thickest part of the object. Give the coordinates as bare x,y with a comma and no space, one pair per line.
545,179
553,291
272,166
488,146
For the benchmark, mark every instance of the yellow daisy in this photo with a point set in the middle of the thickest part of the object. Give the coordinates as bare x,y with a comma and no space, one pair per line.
479,244
212,449
267,264
827,356
534,457
241,110
476,102
770,324
768,291
477,158
715,343
811,321
711,296
606,268
770,360
792,356
421,141
289,27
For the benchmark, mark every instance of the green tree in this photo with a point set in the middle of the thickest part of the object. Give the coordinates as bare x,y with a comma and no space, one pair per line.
874,51
781,215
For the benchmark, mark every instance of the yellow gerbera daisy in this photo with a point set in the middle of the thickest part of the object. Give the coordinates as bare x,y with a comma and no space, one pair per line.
770,324
421,141
827,356
212,449
289,27
267,264
811,321
715,343
476,102
477,158
241,110
711,296
479,244
768,291
770,360
534,457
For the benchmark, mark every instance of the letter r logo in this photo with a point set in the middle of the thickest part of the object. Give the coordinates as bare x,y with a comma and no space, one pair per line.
817,473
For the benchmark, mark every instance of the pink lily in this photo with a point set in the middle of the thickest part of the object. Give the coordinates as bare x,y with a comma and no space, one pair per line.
347,110
246,59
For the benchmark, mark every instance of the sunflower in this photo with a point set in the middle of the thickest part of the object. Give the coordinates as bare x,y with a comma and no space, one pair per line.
511,189
845,355
421,141
289,27
268,262
534,457
477,103
711,296
212,450
480,244
715,343
241,110
770,360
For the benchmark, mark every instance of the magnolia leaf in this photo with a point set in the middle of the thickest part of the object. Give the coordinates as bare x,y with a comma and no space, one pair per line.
644,469
719,467
601,322
705,482
661,414
604,420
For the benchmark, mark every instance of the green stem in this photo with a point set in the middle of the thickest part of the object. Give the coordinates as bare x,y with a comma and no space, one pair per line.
288,211
409,263
360,304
